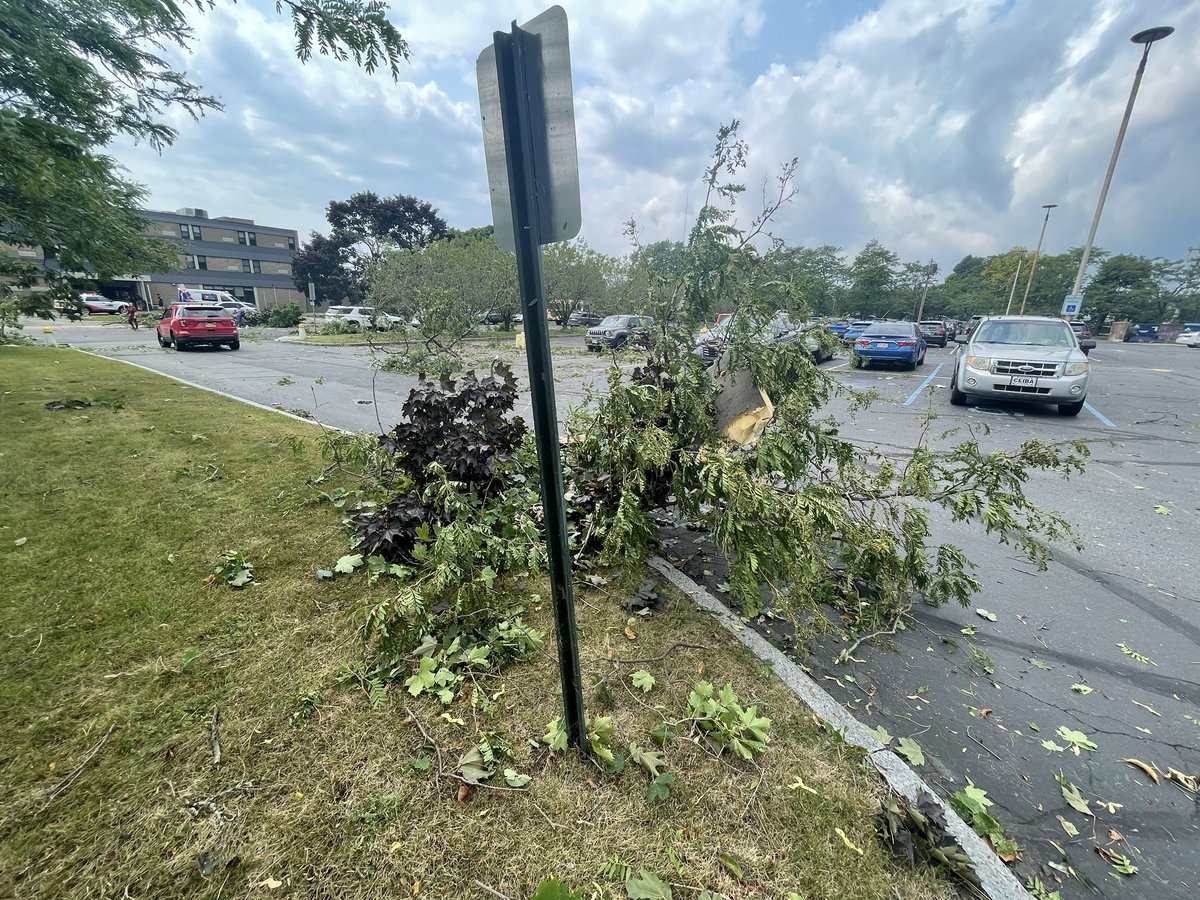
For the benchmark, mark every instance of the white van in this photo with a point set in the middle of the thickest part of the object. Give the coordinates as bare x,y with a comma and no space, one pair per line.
222,298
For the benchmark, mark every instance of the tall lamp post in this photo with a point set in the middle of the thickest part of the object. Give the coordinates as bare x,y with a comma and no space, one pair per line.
1036,253
1147,37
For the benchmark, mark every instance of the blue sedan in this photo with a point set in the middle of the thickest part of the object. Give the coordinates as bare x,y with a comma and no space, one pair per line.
898,342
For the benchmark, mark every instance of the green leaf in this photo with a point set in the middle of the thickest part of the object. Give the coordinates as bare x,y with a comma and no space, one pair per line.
1050,745
660,787
1033,726
1077,739
553,889
882,733
647,886
968,631
732,865
1071,794
348,563
556,735
643,679
650,760
472,768
1082,689
910,750
515,778
188,658
1038,664
421,763
1162,510
990,616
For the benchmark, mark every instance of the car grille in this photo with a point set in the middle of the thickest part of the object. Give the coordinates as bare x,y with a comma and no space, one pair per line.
1020,389
709,352
1024,367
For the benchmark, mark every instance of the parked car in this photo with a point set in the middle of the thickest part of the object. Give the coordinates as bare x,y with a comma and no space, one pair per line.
1190,336
584,317
973,324
837,328
780,329
186,325
897,342
1081,329
614,332
363,316
1029,359
101,305
951,329
935,332
854,329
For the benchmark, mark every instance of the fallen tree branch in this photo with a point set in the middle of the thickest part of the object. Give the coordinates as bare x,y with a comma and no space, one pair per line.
849,651
678,645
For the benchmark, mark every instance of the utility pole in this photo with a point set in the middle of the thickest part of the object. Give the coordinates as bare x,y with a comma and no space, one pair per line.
1013,290
1036,253
930,271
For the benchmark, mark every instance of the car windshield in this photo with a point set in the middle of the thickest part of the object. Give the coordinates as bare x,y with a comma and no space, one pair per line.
933,324
203,312
861,324
1041,334
615,321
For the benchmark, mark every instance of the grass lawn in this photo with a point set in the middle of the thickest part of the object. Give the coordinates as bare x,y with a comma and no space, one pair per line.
118,655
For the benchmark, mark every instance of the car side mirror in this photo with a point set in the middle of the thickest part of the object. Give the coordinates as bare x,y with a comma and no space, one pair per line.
1087,344
961,338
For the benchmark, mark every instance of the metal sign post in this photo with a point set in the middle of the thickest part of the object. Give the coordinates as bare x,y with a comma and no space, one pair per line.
520,77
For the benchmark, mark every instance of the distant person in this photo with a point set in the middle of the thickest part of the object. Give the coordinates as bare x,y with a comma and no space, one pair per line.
161,305
131,315
241,317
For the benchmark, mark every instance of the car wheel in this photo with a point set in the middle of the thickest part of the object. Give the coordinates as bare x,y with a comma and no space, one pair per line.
957,397
176,343
1070,409
233,345
161,342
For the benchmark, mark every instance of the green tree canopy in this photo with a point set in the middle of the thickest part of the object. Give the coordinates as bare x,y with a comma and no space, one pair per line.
873,280
74,74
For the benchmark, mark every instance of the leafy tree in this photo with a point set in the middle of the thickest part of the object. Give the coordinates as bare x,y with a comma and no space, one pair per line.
873,280
819,274
575,277
379,224
74,74
327,264
1179,288
447,286
1124,288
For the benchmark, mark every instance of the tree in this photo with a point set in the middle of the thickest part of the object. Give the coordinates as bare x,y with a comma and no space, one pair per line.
576,277
1179,288
326,263
1124,288
873,281
74,74
966,292
364,229
448,286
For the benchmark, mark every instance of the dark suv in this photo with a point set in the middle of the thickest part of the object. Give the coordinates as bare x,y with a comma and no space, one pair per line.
615,332
934,331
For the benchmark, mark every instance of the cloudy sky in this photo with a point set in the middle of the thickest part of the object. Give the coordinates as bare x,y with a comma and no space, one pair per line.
939,127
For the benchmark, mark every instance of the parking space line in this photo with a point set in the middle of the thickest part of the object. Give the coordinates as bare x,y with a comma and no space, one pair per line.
1099,415
924,384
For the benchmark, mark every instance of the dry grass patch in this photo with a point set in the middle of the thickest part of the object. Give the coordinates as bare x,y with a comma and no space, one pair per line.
118,653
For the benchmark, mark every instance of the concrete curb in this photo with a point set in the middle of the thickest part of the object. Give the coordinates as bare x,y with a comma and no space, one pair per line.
997,880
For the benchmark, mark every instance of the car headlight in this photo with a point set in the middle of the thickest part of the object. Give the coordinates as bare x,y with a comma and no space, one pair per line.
983,363
1076,368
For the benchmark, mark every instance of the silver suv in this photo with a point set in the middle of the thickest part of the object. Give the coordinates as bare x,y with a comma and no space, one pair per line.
1031,359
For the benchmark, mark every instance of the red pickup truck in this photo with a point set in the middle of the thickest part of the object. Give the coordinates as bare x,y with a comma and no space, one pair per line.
186,325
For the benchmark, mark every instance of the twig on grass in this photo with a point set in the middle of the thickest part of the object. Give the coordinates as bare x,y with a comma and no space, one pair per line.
428,740
678,645
62,788
495,893
214,736
981,743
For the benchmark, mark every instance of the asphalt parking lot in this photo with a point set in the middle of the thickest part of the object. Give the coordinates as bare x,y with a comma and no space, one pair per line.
1062,644
1105,642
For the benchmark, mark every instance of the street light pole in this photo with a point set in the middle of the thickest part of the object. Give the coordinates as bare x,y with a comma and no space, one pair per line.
930,271
1036,253
1147,37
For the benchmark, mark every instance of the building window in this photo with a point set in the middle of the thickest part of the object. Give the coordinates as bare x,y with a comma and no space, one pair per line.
242,238
190,261
201,262
252,238
184,232
196,233
292,244
257,267
245,265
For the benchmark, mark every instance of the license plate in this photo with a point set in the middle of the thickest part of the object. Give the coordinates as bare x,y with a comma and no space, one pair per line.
209,325
1023,381
881,344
